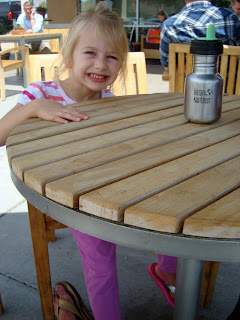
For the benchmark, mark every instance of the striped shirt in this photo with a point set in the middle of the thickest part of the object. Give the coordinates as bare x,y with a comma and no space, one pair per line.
191,22
50,90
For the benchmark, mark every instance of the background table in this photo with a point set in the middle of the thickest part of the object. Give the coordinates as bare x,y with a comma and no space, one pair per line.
138,174
22,39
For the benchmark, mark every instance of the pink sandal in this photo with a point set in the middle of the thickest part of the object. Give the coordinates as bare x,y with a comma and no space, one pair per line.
163,283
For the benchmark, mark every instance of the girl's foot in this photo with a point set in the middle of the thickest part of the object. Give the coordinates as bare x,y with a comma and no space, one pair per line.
61,295
68,305
163,283
171,277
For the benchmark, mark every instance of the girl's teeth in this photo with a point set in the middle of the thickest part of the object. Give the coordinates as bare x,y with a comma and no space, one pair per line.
97,77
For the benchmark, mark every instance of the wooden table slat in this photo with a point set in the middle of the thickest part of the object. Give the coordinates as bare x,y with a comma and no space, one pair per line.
118,115
77,135
25,162
93,110
220,219
38,177
168,210
67,190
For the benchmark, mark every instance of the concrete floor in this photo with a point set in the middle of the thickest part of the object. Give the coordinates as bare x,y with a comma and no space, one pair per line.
140,297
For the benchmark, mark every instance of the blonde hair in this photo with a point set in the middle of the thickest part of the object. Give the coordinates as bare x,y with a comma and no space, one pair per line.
107,24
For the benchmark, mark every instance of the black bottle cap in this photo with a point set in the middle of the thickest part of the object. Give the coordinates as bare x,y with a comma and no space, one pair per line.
206,47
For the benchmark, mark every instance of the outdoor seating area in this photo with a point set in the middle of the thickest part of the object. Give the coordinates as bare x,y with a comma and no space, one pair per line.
117,160
219,293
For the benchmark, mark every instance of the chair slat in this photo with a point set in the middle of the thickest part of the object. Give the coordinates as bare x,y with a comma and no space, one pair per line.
231,74
229,67
135,77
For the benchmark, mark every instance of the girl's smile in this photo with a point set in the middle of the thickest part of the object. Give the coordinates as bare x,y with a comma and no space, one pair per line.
98,77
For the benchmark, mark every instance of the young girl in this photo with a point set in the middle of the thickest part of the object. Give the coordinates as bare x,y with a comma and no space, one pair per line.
95,51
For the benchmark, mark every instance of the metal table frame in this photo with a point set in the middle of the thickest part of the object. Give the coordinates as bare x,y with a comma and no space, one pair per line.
191,251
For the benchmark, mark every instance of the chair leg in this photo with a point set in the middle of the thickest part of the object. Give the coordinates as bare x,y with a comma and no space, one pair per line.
51,235
40,250
210,272
1,307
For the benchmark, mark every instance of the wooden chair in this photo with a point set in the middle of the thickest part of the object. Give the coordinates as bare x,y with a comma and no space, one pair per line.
54,43
134,80
46,63
7,65
151,50
181,64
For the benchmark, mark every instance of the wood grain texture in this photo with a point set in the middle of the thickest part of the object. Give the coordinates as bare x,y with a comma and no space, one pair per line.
104,118
77,135
220,219
68,189
168,210
111,201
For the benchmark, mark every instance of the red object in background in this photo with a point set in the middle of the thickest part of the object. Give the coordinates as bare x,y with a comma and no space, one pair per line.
10,15
154,32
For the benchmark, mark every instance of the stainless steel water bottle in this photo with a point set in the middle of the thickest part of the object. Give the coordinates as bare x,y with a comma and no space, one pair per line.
204,86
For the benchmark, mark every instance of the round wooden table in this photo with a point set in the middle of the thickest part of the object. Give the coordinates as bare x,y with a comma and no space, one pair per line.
137,174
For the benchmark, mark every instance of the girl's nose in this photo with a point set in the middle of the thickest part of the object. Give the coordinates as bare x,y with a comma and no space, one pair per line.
100,63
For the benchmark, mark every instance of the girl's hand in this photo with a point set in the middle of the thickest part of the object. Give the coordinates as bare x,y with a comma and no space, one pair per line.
54,111
41,108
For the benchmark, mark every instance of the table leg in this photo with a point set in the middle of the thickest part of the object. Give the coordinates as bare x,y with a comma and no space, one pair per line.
189,279
40,250
23,71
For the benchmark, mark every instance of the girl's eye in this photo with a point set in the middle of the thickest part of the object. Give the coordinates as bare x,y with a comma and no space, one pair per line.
113,57
90,52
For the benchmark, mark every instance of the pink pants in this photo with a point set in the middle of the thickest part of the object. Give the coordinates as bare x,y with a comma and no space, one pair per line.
100,270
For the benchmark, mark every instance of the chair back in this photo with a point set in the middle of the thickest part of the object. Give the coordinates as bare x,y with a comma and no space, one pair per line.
46,63
181,64
7,65
134,79
54,43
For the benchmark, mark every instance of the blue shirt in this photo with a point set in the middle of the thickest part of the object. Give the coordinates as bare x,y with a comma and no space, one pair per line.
26,24
191,22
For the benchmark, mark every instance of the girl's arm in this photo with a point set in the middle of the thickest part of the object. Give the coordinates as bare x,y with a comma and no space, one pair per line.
41,108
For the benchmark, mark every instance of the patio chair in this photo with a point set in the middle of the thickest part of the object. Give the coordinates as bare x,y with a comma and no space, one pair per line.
151,50
134,80
43,66
7,65
181,64
54,43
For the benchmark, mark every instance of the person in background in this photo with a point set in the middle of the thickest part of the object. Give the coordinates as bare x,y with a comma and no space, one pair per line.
192,21
236,7
161,17
33,23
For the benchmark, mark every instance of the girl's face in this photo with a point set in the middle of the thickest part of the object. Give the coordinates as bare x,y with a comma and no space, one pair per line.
94,65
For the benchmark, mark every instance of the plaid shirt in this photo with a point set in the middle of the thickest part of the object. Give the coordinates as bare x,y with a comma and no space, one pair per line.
191,22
